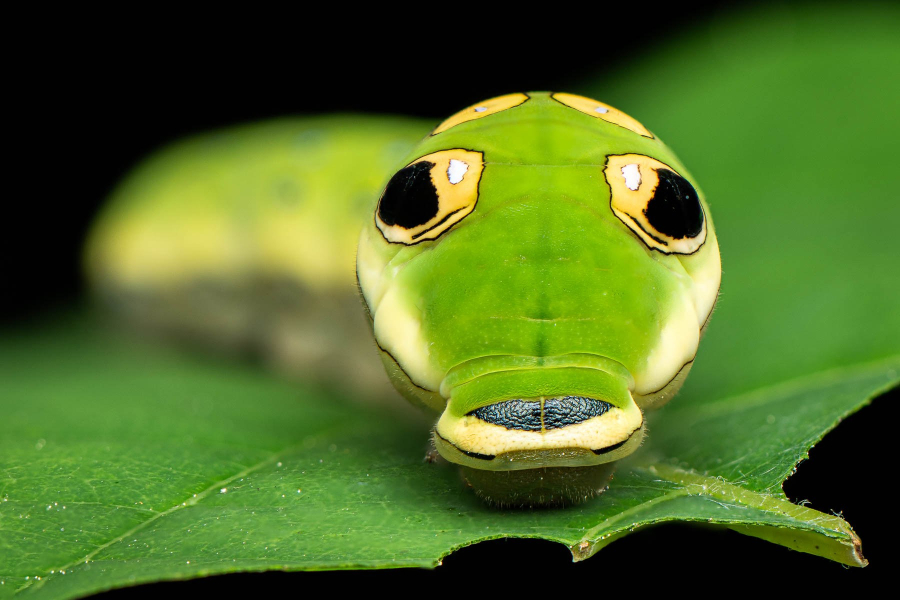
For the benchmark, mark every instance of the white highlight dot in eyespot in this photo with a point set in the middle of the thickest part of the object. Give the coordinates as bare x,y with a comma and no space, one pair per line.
602,110
632,174
456,171
480,108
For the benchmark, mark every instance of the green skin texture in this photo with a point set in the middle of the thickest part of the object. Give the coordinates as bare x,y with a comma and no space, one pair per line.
542,267
318,174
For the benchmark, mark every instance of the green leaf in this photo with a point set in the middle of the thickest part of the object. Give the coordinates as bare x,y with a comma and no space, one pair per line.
113,458
782,114
213,468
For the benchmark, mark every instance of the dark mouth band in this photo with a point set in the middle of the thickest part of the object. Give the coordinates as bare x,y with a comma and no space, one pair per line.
533,415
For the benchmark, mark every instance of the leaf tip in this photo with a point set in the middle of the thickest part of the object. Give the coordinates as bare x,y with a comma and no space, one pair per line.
582,551
857,550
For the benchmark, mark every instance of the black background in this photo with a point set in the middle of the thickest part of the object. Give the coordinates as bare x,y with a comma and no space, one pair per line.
90,95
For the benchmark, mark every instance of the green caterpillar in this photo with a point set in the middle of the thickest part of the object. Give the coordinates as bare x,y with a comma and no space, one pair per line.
538,271
244,241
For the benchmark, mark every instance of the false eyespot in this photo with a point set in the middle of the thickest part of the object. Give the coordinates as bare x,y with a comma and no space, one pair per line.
428,196
656,203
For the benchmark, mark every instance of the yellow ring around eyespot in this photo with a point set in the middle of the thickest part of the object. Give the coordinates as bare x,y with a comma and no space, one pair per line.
455,200
481,110
628,204
602,111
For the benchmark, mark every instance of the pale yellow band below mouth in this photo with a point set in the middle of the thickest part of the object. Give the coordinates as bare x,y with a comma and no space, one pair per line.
538,458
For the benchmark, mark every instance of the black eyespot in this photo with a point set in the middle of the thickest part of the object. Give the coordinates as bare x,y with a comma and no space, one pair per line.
656,203
430,195
675,208
410,198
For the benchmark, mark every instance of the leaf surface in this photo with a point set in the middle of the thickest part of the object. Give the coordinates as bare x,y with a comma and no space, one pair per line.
121,464
211,468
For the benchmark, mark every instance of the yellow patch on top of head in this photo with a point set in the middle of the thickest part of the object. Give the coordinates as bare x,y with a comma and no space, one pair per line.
602,111
481,110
